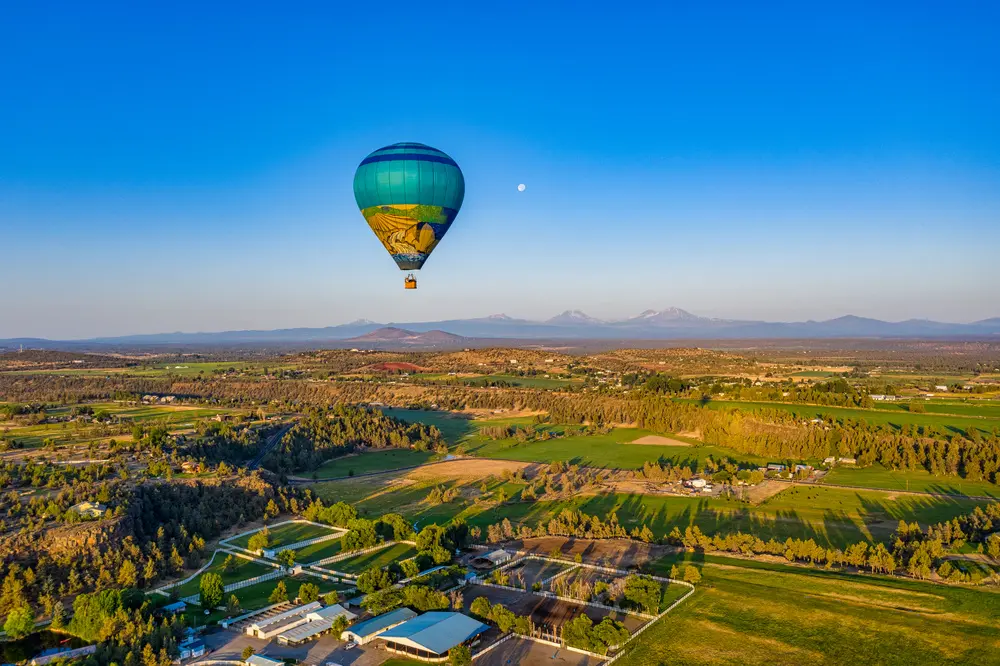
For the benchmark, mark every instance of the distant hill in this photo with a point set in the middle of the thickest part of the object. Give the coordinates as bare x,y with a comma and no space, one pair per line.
396,335
667,324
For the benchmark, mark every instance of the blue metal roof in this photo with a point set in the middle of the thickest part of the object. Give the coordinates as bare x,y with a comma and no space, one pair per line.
436,632
380,622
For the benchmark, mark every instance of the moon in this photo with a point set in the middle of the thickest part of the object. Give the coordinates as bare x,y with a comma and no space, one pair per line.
520,188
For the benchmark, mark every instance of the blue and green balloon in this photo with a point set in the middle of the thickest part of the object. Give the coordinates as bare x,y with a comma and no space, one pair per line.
410,194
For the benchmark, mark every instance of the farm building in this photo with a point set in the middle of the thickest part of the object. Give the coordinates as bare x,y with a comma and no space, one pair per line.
261,660
432,635
697,483
317,623
491,559
272,626
369,630
191,648
176,607
89,509
775,467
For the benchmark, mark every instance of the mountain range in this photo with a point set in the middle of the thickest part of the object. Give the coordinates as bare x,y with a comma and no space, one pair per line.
669,324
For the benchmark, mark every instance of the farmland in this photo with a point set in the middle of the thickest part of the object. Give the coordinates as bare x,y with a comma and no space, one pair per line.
380,558
287,534
240,569
918,480
754,613
373,461
983,418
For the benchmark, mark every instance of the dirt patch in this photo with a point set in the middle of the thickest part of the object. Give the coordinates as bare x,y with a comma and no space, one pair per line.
658,440
528,653
544,611
764,490
609,552
468,468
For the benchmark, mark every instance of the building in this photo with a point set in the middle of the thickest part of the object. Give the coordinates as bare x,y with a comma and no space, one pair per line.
432,635
940,388
697,483
176,607
369,630
317,623
847,461
89,509
261,660
492,559
829,460
802,468
775,467
282,622
191,648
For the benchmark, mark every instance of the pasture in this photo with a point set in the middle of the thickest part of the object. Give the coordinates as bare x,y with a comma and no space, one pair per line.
372,461
834,517
289,533
894,416
919,480
758,613
241,569
380,558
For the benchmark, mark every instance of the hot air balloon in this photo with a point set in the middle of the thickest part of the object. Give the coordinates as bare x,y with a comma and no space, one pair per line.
409,194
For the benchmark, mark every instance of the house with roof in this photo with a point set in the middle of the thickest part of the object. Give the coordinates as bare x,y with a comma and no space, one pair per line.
431,636
272,626
317,623
261,660
491,559
89,509
367,631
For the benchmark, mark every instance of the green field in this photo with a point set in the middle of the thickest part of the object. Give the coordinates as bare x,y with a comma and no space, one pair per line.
612,450
891,415
242,570
832,516
752,613
319,551
287,534
920,480
453,425
380,558
373,461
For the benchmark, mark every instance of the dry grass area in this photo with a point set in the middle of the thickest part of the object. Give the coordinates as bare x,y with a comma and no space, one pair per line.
659,440
608,552
764,490
470,468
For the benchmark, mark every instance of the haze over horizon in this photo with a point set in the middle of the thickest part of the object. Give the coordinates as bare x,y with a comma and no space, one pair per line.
779,164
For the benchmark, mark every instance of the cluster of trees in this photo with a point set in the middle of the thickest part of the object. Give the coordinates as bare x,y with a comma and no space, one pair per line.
634,591
161,530
571,523
327,433
32,514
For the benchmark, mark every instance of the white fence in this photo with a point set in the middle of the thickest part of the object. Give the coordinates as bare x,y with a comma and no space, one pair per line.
353,553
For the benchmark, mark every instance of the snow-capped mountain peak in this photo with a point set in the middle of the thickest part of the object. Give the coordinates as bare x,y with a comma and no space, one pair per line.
571,317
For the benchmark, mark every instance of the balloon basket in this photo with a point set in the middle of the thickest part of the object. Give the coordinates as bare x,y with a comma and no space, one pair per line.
410,282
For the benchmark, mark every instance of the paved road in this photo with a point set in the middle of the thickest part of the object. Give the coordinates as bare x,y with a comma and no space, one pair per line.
271,442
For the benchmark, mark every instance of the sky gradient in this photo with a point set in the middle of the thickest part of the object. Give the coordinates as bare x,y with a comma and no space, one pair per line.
190,168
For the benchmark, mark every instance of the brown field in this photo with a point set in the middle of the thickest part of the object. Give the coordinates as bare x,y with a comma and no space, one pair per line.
657,440
619,554
468,468
536,571
529,653
545,611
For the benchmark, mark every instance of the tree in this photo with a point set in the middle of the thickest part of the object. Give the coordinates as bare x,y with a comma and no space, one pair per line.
212,590
410,568
128,576
993,546
279,594
58,615
382,601
308,592
233,607
374,579
248,652
339,625
643,592
228,564
20,622
503,617
286,558
691,574
259,540
480,607
460,655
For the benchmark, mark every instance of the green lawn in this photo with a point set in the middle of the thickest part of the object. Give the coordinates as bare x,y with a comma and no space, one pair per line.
242,570
319,551
833,516
893,415
750,613
287,534
380,558
373,461
921,480
453,425
611,451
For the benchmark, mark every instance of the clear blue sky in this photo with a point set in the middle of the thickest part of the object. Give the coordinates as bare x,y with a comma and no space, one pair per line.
188,166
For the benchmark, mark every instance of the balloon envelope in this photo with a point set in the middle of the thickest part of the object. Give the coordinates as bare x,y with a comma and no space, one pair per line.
409,194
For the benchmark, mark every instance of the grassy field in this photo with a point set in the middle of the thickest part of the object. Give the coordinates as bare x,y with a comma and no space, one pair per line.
242,570
753,613
453,426
894,415
612,450
181,369
380,558
284,535
318,551
373,461
832,516
921,480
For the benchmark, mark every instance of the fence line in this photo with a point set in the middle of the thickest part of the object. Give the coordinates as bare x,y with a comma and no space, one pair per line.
355,553
491,646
